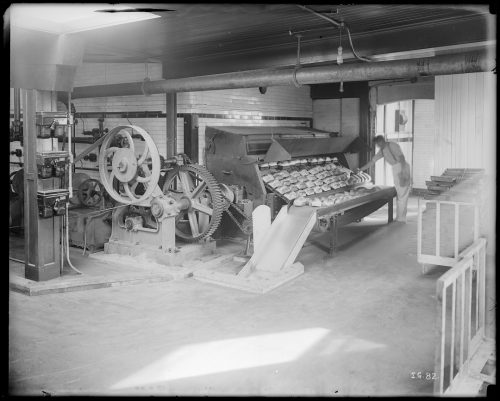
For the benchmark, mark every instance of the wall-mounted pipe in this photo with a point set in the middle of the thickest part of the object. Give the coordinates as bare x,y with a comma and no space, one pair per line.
17,104
430,66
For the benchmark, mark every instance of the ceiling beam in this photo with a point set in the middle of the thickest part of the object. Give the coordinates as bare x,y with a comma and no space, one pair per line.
448,33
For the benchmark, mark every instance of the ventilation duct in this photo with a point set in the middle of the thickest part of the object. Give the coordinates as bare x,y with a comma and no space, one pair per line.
410,68
43,61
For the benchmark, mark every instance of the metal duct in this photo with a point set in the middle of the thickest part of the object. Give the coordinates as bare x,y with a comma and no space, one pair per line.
430,66
43,61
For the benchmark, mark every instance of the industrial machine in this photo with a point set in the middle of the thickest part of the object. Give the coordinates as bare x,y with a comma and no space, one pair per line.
89,214
274,165
153,211
47,182
16,202
297,180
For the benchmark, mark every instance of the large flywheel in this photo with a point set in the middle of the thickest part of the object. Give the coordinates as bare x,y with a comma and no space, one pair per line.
198,186
123,165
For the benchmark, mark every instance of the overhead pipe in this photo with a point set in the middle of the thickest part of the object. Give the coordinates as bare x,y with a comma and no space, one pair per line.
462,63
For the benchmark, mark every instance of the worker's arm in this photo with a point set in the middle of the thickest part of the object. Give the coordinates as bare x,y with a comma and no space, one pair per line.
378,156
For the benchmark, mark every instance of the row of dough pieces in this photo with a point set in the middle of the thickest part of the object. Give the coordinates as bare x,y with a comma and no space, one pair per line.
306,182
333,199
295,162
359,178
314,175
297,171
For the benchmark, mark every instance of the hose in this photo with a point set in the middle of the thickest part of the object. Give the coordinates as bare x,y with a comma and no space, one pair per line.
67,242
71,152
338,25
352,47
84,240
61,234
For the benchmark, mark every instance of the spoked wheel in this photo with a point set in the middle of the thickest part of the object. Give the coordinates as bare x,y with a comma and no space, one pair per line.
206,203
78,179
123,167
90,192
16,183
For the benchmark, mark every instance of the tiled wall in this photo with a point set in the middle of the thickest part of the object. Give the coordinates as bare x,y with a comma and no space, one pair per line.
113,73
279,106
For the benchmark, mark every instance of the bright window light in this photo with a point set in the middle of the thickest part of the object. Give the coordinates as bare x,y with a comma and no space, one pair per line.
225,356
71,18
349,344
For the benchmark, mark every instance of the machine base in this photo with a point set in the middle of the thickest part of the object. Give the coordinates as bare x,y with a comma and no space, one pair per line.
186,252
258,281
85,221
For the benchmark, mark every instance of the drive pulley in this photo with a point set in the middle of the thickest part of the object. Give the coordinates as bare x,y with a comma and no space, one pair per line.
123,164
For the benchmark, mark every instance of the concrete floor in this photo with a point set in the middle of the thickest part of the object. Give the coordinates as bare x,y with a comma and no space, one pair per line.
356,324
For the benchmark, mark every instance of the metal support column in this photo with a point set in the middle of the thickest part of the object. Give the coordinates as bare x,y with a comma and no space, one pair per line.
42,247
171,124
364,125
333,237
191,137
390,212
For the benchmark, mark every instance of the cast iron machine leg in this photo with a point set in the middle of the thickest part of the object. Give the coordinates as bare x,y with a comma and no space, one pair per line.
333,235
390,212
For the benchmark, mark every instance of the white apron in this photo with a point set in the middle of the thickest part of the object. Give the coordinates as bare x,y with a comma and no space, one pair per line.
402,189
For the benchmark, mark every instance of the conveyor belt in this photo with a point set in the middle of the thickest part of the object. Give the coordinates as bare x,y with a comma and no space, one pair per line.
383,192
292,226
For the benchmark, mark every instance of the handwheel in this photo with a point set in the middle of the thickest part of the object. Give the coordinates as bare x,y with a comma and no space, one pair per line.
16,179
78,179
120,163
197,185
90,192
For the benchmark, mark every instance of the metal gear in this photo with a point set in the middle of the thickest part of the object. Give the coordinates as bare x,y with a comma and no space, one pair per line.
90,192
198,186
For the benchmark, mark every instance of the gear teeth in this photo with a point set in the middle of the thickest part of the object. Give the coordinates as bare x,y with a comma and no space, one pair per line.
218,203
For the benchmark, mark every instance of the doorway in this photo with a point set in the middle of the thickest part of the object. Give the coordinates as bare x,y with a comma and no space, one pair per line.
411,124
395,123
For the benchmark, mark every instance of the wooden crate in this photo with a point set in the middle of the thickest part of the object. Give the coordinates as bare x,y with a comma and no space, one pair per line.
445,228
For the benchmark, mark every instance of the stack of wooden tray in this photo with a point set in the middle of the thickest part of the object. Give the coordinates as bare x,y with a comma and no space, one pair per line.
453,182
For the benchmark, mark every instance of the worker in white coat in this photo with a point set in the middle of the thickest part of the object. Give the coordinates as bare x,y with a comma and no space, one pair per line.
392,154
